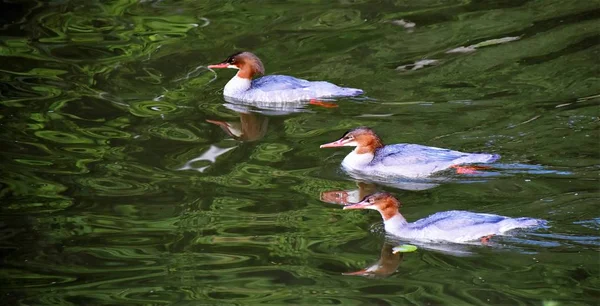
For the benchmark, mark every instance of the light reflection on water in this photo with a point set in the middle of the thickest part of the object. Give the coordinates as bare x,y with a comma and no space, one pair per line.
128,179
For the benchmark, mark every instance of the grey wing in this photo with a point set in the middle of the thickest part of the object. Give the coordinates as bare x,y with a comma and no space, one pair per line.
279,82
403,154
471,219
456,219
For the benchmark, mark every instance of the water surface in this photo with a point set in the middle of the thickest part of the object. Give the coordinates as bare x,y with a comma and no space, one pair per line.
116,190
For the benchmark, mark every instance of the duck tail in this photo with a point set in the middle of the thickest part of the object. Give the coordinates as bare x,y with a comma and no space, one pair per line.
493,157
532,222
484,158
523,222
350,92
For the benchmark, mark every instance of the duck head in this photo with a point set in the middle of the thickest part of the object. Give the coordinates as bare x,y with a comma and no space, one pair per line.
382,202
247,63
363,138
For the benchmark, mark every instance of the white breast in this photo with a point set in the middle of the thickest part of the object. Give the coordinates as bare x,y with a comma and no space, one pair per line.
236,86
355,161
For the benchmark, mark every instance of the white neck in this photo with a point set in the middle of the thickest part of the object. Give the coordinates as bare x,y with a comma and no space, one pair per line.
357,161
394,223
236,86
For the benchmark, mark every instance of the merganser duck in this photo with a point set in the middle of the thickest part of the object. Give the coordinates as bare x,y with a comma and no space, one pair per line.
371,157
274,88
453,226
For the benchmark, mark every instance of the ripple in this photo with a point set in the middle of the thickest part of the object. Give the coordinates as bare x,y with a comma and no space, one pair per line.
62,137
132,240
104,132
34,162
20,279
271,152
112,186
43,205
95,151
152,108
335,19
173,132
119,90
138,171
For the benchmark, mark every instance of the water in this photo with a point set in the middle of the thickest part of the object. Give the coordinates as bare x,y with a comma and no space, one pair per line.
116,190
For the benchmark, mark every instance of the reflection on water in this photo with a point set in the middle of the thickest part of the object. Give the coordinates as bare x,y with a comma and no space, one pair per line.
254,120
251,127
388,263
117,191
479,174
210,155
345,197
404,183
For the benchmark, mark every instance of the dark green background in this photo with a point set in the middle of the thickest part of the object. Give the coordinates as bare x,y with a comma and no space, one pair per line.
104,102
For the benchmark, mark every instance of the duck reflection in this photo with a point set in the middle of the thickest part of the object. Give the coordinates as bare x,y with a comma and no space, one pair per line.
345,197
400,183
388,263
275,108
251,126
254,120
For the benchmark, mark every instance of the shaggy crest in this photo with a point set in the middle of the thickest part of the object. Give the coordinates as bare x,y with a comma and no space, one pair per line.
247,60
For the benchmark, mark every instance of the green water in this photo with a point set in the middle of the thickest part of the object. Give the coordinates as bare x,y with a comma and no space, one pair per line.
115,190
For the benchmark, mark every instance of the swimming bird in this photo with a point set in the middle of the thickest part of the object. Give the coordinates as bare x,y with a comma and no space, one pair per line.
453,226
274,88
372,158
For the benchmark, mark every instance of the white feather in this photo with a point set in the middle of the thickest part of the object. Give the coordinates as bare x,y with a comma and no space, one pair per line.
236,85
356,161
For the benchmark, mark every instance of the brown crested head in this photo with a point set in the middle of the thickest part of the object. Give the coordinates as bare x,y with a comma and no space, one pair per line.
383,202
248,64
362,137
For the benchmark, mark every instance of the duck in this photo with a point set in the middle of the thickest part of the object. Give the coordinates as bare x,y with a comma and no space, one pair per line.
372,158
274,88
455,226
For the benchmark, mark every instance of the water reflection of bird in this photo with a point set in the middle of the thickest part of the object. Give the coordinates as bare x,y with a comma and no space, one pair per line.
412,184
453,226
346,197
274,88
254,117
388,263
372,158
251,127
272,108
